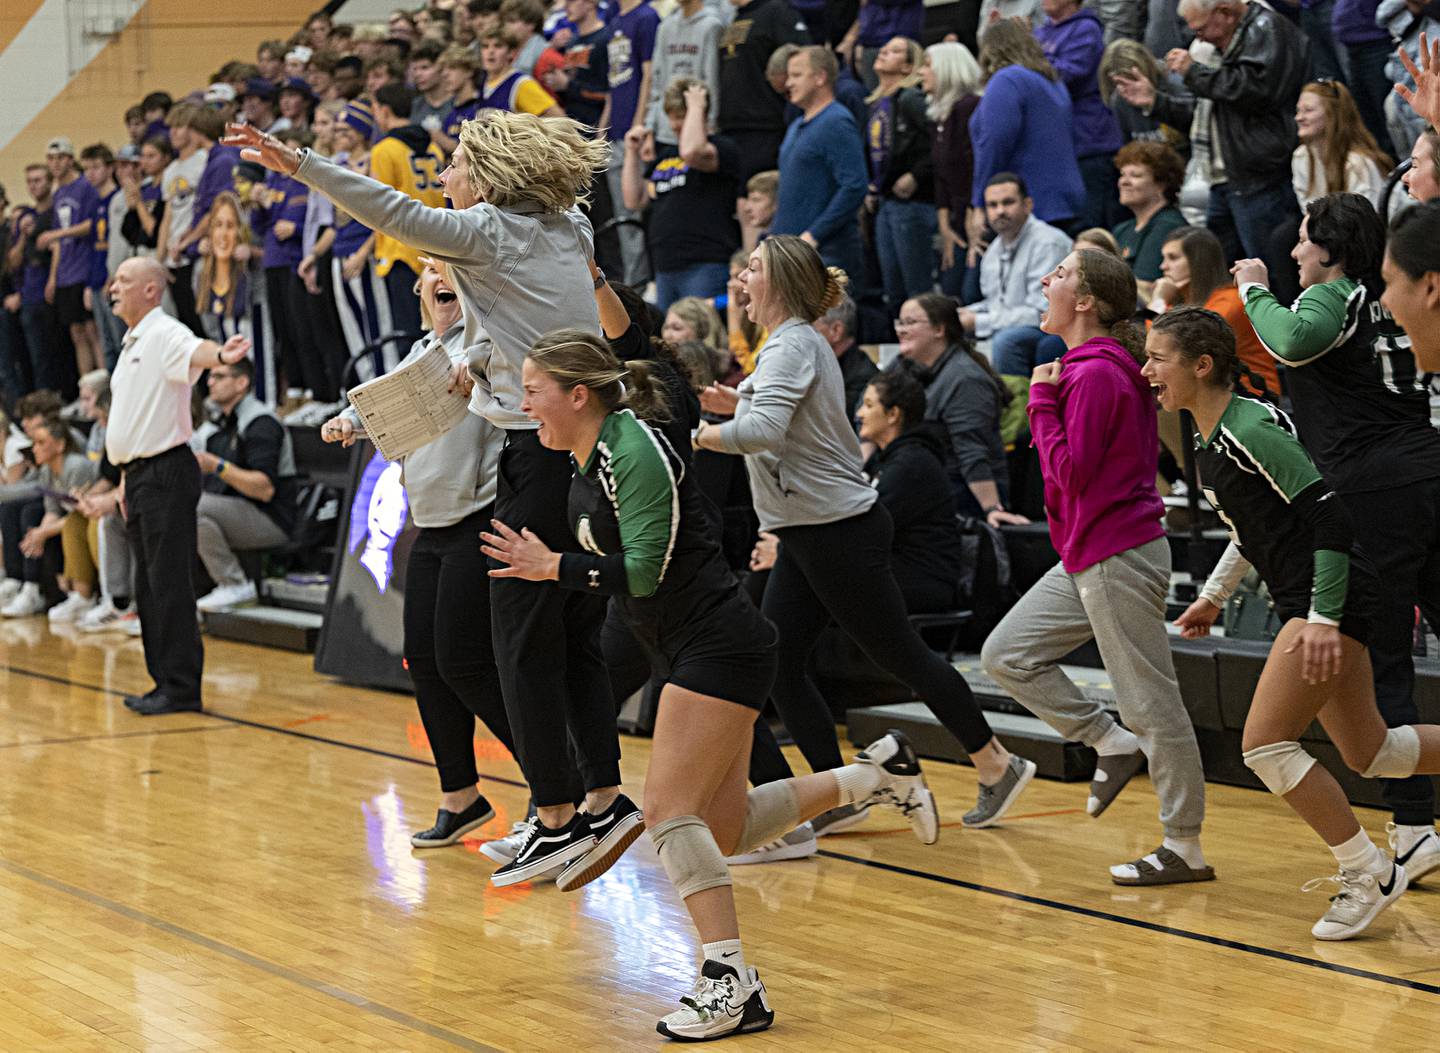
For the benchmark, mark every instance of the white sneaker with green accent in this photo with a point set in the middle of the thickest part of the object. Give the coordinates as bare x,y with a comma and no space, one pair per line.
1360,898
721,1003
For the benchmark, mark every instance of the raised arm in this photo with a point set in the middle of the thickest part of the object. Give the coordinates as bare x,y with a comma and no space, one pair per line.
442,232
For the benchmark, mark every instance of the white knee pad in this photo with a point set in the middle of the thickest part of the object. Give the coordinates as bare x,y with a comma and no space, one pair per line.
1398,756
771,811
1280,765
689,854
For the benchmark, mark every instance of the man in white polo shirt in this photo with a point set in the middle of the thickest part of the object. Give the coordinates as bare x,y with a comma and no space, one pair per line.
148,439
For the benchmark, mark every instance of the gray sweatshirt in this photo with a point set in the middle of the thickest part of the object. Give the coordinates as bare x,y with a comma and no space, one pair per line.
519,272
454,476
800,448
684,47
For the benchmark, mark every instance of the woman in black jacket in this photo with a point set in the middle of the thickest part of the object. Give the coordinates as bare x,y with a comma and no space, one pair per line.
910,479
902,184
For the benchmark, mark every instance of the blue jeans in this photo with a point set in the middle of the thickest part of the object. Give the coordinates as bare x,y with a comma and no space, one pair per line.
1325,59
1365,73
1015,352
110,328
705,280
1243,218
905,243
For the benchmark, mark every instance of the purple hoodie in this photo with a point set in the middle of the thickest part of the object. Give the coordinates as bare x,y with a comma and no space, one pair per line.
1099,445
1353,23
881,20
1074,46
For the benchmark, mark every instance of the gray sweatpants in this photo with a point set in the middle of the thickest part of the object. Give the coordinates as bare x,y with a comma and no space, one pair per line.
226,525
1120,604
117,569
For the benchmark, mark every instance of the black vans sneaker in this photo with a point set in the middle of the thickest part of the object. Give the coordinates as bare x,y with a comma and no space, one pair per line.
615,829
545,849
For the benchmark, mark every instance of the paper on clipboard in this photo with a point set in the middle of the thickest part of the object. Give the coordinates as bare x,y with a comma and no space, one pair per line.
411,405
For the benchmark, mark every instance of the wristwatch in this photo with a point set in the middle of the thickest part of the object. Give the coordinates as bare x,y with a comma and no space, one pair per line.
599,278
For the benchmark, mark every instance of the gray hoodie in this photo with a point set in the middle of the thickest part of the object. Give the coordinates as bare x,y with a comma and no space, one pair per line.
454,476
800,448
519,272
684,47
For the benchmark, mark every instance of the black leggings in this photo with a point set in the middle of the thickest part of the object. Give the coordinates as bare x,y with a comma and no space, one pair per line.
447,646
841,570
547,640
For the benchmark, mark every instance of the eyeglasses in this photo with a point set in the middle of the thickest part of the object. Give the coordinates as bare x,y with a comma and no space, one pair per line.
908,323
1330,84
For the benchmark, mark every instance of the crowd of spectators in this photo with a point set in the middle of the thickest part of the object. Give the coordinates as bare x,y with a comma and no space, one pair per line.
945,180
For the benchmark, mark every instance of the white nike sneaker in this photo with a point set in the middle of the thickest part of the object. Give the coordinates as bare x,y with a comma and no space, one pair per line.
228,597
902,784
1420,858
1360,899
9,589
721,1003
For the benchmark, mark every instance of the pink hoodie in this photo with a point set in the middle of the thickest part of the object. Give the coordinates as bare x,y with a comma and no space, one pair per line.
1098,442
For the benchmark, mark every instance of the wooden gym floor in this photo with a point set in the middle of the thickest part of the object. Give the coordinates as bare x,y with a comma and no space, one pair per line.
243,880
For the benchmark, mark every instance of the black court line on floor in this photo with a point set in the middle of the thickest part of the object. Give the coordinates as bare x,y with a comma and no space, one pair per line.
924,875
395,1016
107,738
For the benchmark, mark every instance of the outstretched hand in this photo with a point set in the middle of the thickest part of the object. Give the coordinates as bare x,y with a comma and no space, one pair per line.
261,148
1424,98
524,554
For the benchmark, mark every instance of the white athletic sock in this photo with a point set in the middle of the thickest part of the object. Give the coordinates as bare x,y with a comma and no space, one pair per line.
1117,741
1188,849
727,952
1407,836
858,781
1359,855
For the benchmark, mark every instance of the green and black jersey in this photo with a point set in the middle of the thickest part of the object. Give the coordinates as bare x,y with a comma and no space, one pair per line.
1282,514
1361,405
641,521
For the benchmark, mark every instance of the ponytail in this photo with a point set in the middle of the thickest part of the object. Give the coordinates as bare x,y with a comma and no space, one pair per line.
644,392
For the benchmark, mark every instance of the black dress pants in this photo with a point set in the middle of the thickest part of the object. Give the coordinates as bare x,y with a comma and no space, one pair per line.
1402,539
161,494
448,646
547,640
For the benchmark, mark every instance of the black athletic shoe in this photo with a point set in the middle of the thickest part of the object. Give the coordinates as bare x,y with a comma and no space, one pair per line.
133,701
157,704
722,1003
451,826
545,849
615,829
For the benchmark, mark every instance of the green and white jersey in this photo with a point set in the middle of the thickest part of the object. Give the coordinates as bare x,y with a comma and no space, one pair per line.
1362,407
641,521
1282,514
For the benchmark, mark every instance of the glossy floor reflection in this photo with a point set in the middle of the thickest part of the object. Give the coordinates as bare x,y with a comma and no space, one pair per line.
243,880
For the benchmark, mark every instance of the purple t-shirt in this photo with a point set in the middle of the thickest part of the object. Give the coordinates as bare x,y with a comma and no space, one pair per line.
35,270
286,199
219,176
631,44
100,235
75,202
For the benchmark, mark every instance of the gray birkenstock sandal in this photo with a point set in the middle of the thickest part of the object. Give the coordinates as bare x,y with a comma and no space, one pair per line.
1172,870
1111,775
